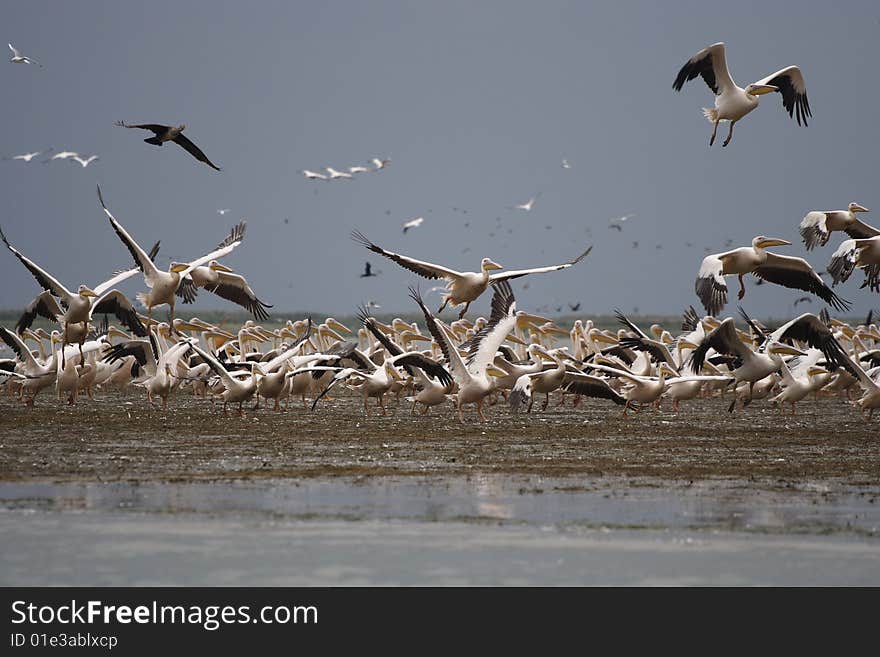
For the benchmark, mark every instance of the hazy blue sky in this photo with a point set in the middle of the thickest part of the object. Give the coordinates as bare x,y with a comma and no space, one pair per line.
476,104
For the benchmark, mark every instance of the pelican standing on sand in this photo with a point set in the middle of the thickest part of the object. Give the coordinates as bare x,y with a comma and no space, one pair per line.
732,103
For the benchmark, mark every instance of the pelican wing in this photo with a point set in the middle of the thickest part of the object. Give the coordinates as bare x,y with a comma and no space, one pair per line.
723,339
15,52
843,261
187,290
156,128
591,386
44,278
860,230
440,335
117,303
814,228
19,347
208,257
797,273
793,89
236,234
141,259
194,150
710,285
516,273
424,269
812,330
44,306
234,288
485,343
710,64
215,365
428,365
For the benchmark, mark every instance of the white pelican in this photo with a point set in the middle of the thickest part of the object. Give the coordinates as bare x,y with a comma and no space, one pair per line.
472,375
380,163
817,226
787,271
862,253
732,103
78,307
462,287
85,162
313,175
163,285
799,381
38,375
63,155
527,206
159,366
18,58
163,133
27,157
413,223
358,169
565,164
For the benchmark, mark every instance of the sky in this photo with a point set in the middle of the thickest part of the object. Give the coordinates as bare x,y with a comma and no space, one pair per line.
476,104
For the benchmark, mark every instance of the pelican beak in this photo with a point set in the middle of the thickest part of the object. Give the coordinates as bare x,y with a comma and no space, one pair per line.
601,337
773,241
761,89
515,340
494,370
178,267
418,337
686,344
326,331
785,350
88,293
216,266
859,208
337,325
815,369
493,265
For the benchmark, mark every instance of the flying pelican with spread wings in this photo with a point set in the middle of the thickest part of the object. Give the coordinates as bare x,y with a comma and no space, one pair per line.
732,103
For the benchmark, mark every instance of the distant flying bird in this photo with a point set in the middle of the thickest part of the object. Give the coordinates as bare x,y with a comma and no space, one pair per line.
617,222
358,169
413,223
18,58
565,164
732,102
334,174
163,133
372,304
63,155
85,162
802,300
575,306
616,227
527,206
380,164
223,211
27,157
368,271
313,175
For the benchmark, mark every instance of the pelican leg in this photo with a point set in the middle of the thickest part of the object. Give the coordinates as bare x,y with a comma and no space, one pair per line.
277,405
546,401
381,404
729,134
240,409
425,412
466,306
440,309
412,411
480,411
460,414
531,401
366,407
714,132
164,402
742,288
561,399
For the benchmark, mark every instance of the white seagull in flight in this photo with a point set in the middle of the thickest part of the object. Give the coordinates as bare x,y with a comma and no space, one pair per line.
18,58
85,162
413,223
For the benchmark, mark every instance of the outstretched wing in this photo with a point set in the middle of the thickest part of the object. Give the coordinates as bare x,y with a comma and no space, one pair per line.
790,83
420,267
710,285
710,64
516,273
797,273
117,303
194,150
44,278
234,288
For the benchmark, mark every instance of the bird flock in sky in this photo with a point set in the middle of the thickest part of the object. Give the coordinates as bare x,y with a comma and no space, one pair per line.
515,355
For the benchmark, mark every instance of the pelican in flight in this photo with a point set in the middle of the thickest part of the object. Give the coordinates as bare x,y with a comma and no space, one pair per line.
732,103
461,287
313,175
18,58
162,284
27,157
862,253
817,226
413,223
85,162
787,271
163,133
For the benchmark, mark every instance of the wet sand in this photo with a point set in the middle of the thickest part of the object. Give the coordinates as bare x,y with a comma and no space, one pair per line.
116,492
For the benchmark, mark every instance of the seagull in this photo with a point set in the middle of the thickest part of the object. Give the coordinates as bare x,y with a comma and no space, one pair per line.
26,157
334,174
18,58
85,162
380,164
313,175
565,164
527,206
732,103
63,155
413,223
163,133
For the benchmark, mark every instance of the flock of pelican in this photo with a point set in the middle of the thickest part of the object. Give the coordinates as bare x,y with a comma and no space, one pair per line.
514,355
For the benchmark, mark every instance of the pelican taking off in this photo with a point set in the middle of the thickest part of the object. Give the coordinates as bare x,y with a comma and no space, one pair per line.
817,226
783,270
732,102
461,287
